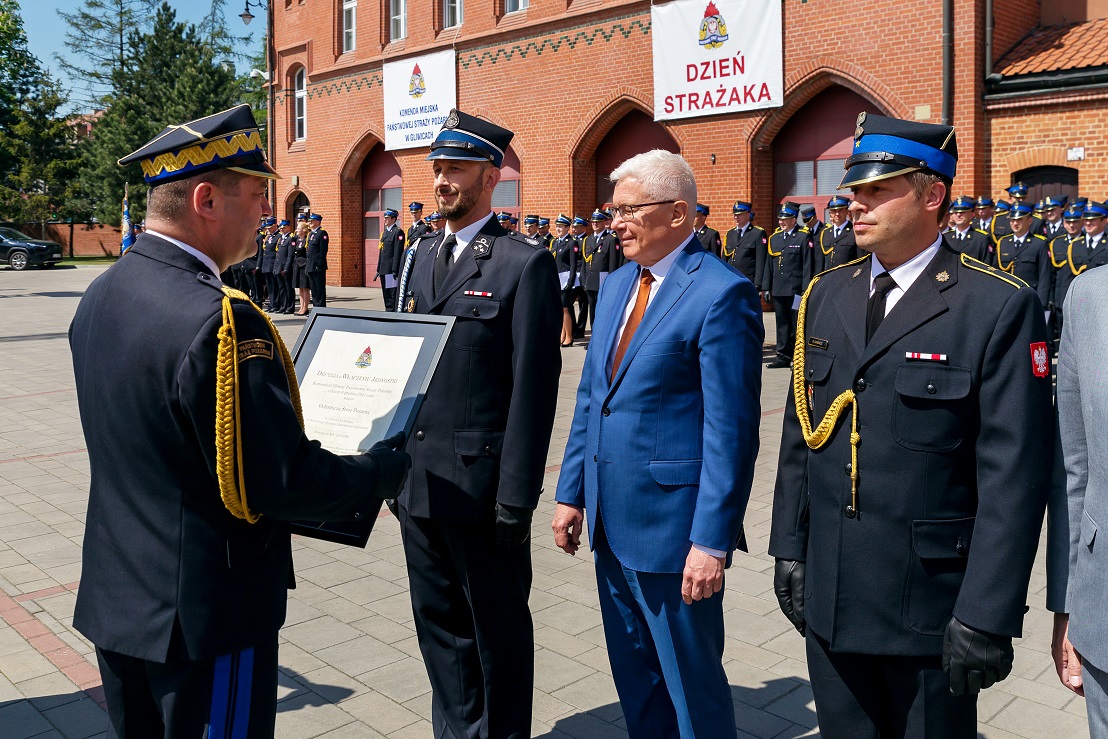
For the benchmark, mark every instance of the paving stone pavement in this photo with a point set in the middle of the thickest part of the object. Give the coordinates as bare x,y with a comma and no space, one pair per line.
350,665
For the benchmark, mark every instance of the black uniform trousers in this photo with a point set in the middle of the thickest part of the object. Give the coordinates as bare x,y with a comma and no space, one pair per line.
473,624
233,696
317,283
273,290
388,294
582,317
259,286
786,326
871,696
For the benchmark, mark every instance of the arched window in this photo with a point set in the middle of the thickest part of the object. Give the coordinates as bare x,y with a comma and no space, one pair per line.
300,108
506,195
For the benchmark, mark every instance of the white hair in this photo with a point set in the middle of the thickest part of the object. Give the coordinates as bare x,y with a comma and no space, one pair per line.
663,174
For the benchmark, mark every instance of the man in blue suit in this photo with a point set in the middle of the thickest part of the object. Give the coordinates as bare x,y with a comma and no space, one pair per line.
661,453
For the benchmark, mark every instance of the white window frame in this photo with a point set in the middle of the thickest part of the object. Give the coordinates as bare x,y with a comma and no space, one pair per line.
454,8
514,6
300,105
349,25
398,20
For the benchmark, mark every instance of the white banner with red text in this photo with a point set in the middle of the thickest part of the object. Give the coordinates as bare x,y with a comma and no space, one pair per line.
716,56
419,94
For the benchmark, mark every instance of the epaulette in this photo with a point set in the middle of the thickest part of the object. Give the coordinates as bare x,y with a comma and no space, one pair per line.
759,228
776,232
981,232
804,229
524,239
859,260
1040,236
988,269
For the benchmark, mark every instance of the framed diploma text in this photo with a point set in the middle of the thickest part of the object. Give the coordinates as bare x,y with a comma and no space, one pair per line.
363,375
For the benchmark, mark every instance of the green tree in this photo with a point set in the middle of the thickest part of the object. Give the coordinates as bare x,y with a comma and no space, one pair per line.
254,90
42,184
173,76
19,70
98,40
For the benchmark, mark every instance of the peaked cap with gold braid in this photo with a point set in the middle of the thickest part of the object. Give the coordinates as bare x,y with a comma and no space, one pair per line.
225,140
228,414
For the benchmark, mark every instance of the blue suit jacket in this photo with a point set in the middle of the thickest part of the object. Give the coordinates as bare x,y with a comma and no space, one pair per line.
665,451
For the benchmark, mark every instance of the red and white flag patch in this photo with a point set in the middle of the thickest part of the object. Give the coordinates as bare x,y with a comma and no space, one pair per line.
1040,359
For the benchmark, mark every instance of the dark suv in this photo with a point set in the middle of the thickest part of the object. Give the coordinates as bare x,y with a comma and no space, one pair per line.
19,251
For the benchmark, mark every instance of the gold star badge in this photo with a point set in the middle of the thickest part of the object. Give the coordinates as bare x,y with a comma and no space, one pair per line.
942,276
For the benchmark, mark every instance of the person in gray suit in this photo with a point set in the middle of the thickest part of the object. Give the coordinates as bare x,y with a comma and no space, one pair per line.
1077,562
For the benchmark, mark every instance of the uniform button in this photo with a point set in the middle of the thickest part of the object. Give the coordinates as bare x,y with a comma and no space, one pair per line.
847,468
420,436
476,312
606,411
960,547
849,511
930,389
595,458
811,372
357,515
488,449
860,385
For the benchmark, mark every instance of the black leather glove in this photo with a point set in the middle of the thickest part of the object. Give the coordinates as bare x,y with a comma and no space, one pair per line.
788,586
973,659
513,526
392,465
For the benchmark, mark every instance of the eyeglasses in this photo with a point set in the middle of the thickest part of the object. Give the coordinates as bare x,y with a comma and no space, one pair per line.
627,212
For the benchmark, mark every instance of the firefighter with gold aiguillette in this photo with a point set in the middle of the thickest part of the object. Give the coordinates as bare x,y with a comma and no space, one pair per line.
915,457
197,452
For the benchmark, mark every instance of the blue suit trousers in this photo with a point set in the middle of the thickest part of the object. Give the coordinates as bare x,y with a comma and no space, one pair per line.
666,656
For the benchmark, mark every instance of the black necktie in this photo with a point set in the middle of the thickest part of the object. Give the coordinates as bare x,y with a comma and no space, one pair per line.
875,310
444,260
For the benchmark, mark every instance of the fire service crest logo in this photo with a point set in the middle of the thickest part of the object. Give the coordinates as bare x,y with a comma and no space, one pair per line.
416,85
713,29
364,359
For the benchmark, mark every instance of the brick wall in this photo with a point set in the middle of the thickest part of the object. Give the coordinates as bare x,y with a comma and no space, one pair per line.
89,239
562,73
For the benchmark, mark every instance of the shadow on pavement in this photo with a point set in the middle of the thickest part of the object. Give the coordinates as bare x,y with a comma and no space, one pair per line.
778,708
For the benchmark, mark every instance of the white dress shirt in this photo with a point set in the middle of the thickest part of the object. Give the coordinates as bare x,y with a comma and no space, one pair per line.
204,258
465,235
904,275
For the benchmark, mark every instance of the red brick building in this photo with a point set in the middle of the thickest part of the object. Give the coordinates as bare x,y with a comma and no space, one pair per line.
1028,94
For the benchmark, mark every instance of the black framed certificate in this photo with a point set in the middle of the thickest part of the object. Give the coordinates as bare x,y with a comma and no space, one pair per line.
363,375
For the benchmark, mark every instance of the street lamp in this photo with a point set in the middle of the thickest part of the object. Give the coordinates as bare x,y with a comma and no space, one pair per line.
247,16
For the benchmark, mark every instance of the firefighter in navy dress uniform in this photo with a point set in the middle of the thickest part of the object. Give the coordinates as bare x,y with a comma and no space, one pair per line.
600,254
1025,254
745,246
480,444
567,254
317,261
419,227
787,264
915,457
835,244
1060,248
197,452
391,258
707,236
544,232
962,236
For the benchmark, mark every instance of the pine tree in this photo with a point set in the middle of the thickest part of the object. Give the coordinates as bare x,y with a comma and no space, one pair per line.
98,38
172,76
19,70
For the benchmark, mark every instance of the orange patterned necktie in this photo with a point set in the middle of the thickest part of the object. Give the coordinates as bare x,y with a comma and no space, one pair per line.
645,280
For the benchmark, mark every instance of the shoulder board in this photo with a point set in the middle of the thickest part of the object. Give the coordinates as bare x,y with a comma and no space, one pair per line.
759,228
804,229
949,230
777,232
979,266
859,260
986,233
524,239
1040,236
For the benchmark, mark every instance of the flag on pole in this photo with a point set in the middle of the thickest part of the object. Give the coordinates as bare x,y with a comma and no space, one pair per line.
128,230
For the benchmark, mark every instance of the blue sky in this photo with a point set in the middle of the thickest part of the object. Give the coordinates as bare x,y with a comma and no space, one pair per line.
46,30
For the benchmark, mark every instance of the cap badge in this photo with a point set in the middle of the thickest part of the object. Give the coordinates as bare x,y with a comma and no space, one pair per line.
451,120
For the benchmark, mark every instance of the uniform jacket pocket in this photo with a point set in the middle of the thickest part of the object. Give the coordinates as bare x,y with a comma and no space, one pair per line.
928,414
817,366
662,347
676,472
935,574
478,443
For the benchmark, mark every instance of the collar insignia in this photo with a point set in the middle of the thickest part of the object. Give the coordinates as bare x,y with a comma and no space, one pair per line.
943,276
481,246
857,272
